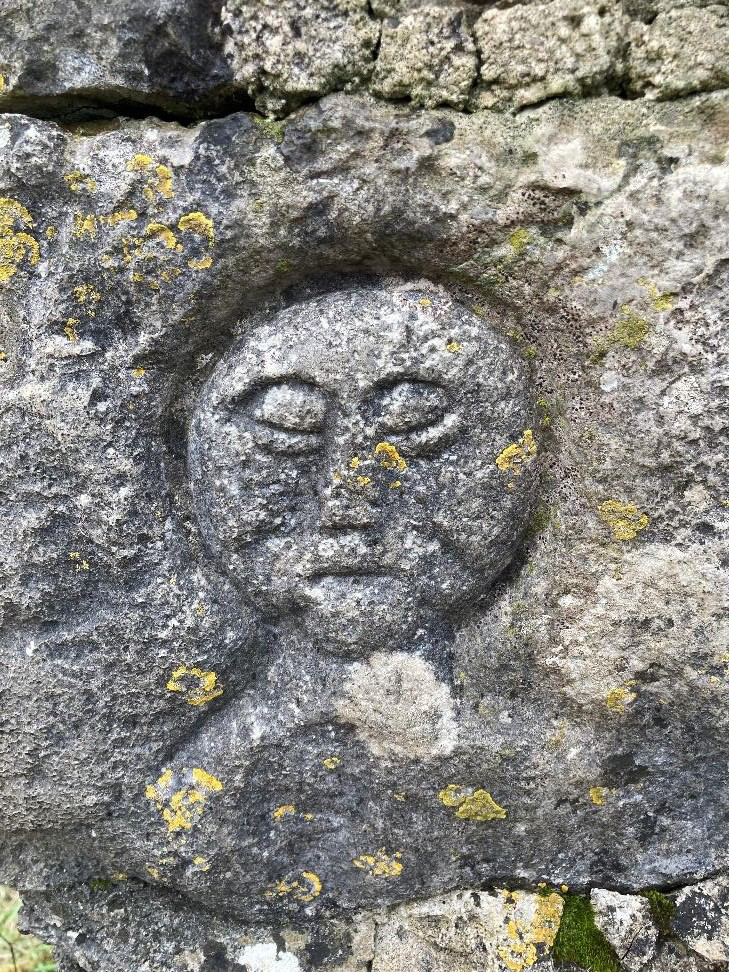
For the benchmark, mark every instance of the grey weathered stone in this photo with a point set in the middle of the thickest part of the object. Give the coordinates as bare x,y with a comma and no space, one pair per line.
428,56
469,930
284,52
167,246
685,49
524,62
702,919
625,920
165,53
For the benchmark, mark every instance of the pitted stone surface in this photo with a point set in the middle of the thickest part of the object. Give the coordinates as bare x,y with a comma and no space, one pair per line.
685,49
200,58
283,52
428,56
523,62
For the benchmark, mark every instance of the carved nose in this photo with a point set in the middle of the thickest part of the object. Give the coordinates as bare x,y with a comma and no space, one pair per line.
344,508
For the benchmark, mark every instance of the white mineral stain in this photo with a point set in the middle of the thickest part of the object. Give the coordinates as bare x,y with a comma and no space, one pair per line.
265,957
398,708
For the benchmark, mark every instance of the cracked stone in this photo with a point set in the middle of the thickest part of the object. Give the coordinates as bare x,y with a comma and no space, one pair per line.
625,920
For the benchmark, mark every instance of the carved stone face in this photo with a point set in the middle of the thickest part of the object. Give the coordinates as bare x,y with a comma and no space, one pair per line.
343,464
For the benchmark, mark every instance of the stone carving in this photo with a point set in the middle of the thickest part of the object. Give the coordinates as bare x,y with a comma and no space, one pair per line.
351,469
361,466
207,747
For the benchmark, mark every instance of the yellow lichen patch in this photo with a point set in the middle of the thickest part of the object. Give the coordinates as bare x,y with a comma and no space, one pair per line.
121,216
396,484
198,686
470,804
363,481
331,762
660,301
164,182
530,933
153,871
454,347
618,698
391,458
305,887
159,183
287,810
200,863
624,519
514,457
87,295
380,864
85,225
425,302
163,233
138,372
182,808
355,462
630,330
2,82
50,232
140,163
70,329
519,240
3,356
199,225
77,180
16,245
401,796
598,795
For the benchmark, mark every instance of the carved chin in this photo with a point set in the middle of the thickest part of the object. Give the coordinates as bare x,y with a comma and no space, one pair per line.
357,614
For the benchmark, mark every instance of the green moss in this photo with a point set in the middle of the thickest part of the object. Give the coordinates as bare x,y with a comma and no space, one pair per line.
579,941
541,518
663,910
272,129
630,331
101,884
283,265
519,240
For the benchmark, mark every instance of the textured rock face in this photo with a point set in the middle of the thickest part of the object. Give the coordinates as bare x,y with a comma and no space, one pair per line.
364,598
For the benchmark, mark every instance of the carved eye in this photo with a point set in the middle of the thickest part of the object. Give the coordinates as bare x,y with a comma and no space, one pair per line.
289,417
418,414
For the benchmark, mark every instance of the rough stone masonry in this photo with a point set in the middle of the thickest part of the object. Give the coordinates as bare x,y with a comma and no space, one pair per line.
363,370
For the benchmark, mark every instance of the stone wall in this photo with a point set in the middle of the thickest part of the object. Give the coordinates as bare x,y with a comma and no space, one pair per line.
364,372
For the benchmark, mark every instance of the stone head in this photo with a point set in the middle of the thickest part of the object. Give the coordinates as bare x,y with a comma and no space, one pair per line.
361,461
